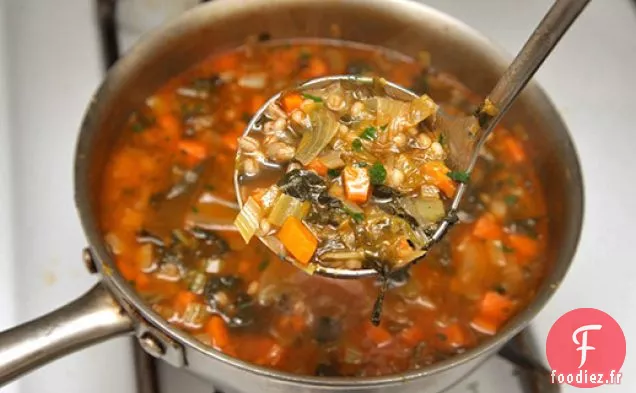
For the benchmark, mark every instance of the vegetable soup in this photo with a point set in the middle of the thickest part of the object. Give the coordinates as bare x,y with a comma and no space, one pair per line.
168,207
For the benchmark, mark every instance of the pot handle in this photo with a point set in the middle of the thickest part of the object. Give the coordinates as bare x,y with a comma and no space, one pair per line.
92,318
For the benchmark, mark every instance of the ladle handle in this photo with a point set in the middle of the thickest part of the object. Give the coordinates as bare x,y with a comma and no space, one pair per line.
92,318
544,38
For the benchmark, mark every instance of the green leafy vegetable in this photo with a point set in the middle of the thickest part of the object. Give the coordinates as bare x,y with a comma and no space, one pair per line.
138,127
263,265
312,97
507,249
356,145
459,176
333,173
377,174
369,133
511,200
356,216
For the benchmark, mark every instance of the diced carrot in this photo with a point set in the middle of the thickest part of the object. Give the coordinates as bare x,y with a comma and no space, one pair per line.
183,299
227,62
142,282
379,335
493,311
216,329
524,246
515,149
486,227
292,101
132,219
496,306
412,335
194,149
356,183
127,270
315,68
317,166
169,122
455,336
231,141
298,239
436,172
256,103
244,267
484,325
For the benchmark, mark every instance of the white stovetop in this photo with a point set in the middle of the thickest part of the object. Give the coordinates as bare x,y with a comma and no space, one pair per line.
50,65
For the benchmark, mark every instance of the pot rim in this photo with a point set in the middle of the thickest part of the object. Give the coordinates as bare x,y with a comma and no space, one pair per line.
127,293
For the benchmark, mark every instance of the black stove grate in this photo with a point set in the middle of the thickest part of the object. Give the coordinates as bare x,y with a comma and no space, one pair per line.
533,376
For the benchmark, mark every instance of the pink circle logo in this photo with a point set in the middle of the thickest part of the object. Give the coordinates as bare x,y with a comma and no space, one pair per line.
586,348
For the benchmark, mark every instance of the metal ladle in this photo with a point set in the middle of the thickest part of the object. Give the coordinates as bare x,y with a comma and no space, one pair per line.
464,144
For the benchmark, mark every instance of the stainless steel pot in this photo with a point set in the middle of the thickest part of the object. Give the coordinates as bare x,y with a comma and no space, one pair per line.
112,307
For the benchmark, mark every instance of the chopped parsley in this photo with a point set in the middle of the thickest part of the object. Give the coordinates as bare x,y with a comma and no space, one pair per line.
441,337
137,127
384,127
377,174
356,145
441,139
357,217
361,164
500,289
195,209
333,173
459,176
369,133
304,55
507,249
511,200
312,97
263,265
209,187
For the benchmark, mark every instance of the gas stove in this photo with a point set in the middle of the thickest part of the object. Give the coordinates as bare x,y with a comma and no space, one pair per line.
58,52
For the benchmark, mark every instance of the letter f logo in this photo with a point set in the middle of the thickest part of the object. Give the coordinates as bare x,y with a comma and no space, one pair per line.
583,344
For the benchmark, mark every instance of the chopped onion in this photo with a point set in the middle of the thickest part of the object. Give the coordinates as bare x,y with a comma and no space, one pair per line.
389,109
332,160
115,244
248,219
287,206
253,81
420,109
324,126
424,210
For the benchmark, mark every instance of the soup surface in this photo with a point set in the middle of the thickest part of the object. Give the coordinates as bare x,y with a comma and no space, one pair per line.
167,208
